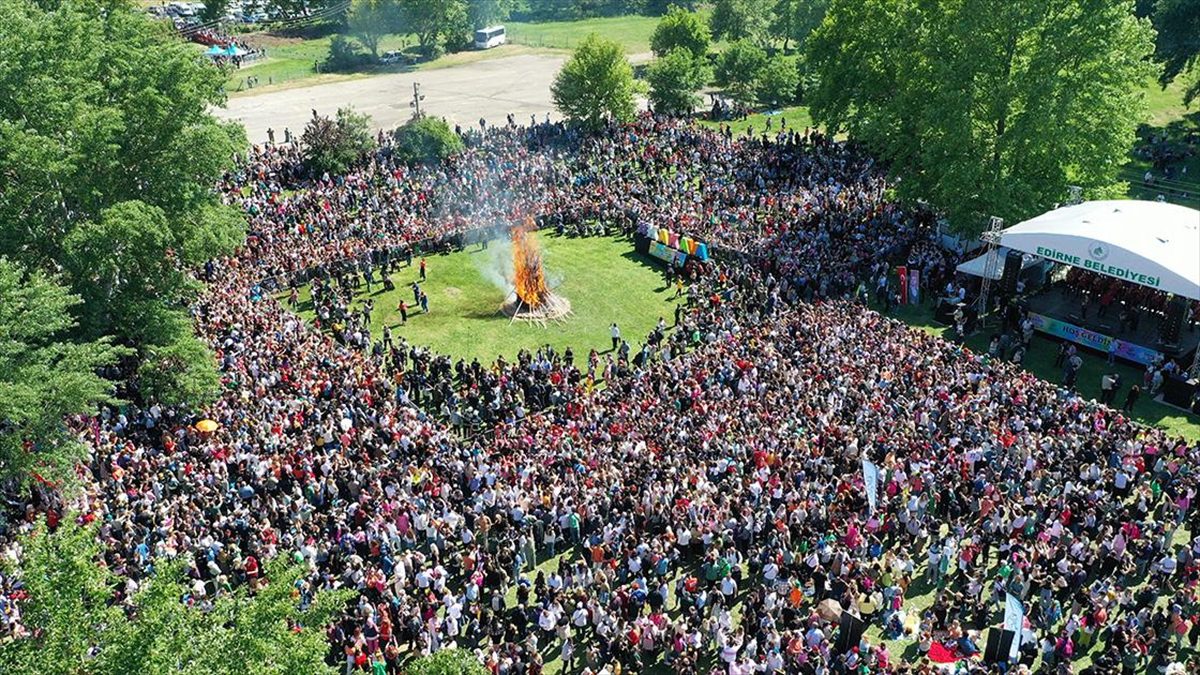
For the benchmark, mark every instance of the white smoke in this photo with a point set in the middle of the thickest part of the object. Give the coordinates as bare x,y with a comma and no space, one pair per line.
495,263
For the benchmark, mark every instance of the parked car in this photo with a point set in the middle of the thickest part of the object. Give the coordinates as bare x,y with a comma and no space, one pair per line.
392,57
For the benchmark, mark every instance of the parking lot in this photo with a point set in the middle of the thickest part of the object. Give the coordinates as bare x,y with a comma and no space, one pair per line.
462,94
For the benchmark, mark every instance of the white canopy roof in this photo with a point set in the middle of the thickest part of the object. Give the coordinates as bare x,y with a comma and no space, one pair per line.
978,265
1149,243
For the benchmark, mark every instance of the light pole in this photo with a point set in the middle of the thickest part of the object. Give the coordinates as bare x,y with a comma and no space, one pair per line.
415,104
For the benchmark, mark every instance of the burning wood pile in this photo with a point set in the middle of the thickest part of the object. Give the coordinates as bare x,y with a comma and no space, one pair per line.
531,299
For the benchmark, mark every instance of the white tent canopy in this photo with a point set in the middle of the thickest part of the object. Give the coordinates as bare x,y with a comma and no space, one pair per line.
977,266
1153,244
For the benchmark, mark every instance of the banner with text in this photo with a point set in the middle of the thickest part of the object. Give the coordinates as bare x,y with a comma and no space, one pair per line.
1098,341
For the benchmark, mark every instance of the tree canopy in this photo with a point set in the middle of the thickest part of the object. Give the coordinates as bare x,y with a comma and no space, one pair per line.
1178,42
438,24
738,69
333,144
742,20
369,20
79,627
429,139
674,80
43,376
108,157
596,84
681,28
986,107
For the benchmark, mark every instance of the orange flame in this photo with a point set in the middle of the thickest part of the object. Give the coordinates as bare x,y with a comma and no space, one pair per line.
528,276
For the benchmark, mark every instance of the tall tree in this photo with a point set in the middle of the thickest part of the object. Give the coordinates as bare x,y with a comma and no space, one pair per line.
986,107
742,20
78,628
738,69
795,20
44,375
483,13
438,24
1178,43
106,114
370,20
681,28
778,82
674,80
596,84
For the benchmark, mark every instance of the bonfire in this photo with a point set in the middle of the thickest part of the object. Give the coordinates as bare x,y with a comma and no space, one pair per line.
531,298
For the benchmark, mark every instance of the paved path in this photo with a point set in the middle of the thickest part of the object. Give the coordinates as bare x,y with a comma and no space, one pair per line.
491,89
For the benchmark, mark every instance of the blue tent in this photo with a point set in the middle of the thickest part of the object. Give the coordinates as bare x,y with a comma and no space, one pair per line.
215,50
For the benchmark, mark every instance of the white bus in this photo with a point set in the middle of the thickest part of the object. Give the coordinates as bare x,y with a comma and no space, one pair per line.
492,36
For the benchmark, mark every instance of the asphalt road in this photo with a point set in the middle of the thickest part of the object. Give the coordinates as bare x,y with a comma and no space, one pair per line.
491,89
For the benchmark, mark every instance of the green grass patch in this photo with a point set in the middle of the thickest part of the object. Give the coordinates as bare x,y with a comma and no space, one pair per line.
632,32
603,277
797,118
1039,360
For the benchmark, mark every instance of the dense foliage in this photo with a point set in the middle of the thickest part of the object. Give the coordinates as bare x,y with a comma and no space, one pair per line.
80,629
681,28
331,145
429,139
596,84
986,107
44,377
738,69
674,80
1178,43
108,157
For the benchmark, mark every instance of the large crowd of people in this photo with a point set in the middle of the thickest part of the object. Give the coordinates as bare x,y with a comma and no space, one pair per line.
696,503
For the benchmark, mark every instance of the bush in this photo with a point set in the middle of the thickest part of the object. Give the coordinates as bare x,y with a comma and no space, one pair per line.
344,54
334,145
428,139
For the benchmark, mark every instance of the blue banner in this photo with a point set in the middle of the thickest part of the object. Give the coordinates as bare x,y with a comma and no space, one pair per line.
1098,341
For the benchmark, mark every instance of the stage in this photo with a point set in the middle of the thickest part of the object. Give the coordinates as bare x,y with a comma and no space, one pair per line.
1062,317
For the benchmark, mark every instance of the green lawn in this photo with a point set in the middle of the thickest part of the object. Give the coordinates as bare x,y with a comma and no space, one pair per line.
797,118
632,32
1040,361
1167,116
602,277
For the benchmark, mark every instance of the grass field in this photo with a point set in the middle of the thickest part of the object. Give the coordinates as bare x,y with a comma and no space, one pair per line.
797,118
602,277
1040,361
632,32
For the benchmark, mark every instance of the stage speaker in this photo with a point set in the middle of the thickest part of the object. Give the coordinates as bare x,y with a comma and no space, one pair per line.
1172,324
641,244
944,313
1178,392
1011,273
999,644
850,630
